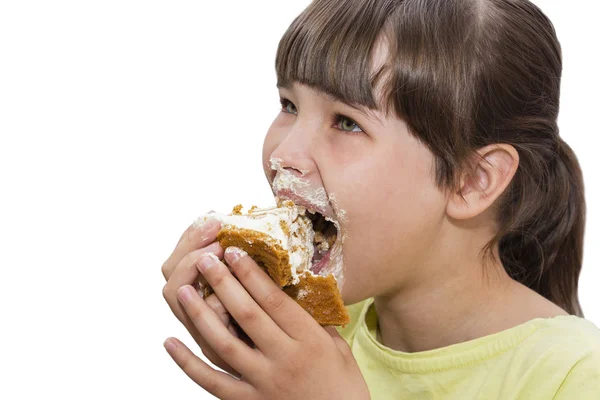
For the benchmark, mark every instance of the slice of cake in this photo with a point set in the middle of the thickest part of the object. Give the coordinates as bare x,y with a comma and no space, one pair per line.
293,251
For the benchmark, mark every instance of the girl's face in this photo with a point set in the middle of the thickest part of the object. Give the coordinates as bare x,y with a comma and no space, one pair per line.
375,172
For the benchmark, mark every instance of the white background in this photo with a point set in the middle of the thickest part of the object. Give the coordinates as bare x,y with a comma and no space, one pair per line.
120,122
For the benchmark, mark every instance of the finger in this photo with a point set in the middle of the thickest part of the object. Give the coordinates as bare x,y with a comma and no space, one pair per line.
214,358
186,273
281,308
200,234
215,304
219,309
217,383
259,327
230,348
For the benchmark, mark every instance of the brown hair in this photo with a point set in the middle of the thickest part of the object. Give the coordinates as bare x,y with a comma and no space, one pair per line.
463,74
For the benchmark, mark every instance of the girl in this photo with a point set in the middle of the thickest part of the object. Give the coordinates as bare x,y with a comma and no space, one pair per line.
431,125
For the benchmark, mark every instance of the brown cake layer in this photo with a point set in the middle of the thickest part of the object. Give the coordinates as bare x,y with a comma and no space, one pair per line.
271,256
319,295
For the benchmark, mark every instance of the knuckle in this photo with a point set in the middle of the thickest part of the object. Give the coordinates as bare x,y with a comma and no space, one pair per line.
166,270
186,363
247,316
214,303
274,301
195,314
226,348
166,292
216,276
219,309
210,384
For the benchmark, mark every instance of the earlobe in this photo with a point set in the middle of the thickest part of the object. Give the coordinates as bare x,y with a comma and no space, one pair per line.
491,171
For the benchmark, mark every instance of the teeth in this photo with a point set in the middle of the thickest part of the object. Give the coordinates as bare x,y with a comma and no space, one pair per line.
323,246
301,210
331,241
319,237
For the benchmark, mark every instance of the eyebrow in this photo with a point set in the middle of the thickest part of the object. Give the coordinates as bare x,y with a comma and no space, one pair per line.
365,112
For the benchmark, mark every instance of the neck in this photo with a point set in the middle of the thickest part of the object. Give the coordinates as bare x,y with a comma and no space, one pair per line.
426,318
465,300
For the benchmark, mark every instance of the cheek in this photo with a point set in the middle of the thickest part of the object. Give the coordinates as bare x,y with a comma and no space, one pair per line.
391,224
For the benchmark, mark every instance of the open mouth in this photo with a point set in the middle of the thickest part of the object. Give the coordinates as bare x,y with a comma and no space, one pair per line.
325,236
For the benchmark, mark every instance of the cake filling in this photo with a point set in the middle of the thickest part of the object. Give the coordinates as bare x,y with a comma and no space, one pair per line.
323,241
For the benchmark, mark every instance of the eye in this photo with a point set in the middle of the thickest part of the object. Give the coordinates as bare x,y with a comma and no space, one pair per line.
346,124
288,107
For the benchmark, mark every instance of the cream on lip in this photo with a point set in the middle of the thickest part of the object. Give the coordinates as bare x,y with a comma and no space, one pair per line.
287,185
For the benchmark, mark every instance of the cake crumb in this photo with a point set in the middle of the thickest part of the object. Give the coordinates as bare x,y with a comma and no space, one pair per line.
284,227
237,210
252,209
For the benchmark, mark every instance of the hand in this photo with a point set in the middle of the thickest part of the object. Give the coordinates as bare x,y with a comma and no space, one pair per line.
180,270
293,358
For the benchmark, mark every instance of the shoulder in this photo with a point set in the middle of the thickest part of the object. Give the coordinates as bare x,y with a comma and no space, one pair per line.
566,338
568,348
583,379
578,335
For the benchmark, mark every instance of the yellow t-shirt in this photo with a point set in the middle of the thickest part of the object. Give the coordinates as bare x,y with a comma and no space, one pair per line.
555,358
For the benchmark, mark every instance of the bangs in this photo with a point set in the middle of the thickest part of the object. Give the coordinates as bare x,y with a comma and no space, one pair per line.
329,47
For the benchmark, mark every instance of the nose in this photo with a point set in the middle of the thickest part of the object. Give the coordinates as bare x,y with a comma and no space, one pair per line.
294,171
294,152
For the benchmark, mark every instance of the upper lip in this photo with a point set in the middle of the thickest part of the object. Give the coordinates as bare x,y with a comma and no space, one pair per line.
303,202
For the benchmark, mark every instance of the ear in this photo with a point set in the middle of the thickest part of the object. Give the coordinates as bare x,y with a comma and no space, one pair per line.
491,171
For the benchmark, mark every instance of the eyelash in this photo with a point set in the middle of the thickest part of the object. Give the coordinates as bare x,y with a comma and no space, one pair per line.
337,118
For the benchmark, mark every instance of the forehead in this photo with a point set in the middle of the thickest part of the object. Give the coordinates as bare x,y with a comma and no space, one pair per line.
375,71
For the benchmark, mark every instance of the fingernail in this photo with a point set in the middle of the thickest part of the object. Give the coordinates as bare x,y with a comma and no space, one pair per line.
234,253
185,294
170,345
204,222
206,261
211,248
